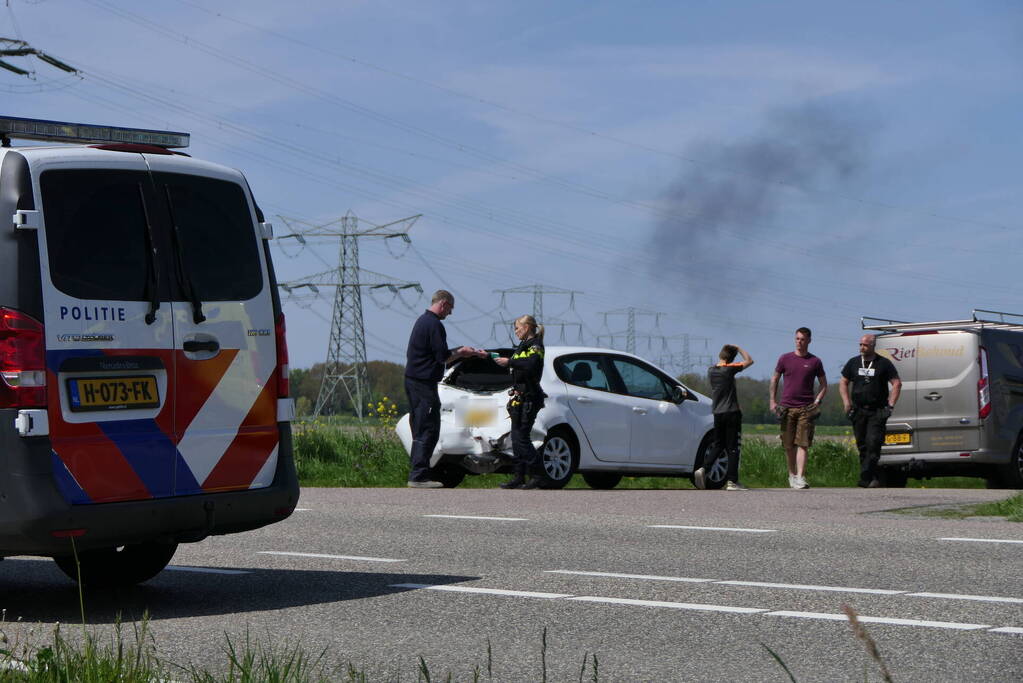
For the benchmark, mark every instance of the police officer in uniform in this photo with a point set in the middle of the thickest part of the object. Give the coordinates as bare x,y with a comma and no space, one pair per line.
527,398
869,404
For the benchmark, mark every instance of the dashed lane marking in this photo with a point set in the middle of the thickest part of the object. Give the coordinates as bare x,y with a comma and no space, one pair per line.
792,586
615,575
204,570
357,558
821,616
712,528
494,519
483,591
673,605
982,540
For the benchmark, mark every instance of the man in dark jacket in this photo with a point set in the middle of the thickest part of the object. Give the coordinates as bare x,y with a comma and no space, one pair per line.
426,357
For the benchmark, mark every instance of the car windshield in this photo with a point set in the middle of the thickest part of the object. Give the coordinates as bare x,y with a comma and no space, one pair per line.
481,374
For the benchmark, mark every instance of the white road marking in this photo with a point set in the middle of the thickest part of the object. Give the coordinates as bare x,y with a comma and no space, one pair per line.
205,570
645,577
496,519
805,587
879,620
712,528
981,540
330,557
825,616
484,591
673,605
302,509
957,596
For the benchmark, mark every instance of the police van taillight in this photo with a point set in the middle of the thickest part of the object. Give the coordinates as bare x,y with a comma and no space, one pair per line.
283,380
983,386
22,361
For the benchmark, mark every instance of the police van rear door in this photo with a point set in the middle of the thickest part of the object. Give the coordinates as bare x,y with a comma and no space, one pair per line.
109,340
224,336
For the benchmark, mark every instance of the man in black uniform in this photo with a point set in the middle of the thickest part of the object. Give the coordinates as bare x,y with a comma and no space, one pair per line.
869,404
426,357
727,416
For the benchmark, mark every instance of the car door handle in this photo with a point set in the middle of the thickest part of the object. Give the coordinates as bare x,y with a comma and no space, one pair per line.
933,396
637,409
193,346
583,399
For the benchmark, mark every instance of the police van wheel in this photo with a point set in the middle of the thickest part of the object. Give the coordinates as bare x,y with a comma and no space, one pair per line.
560,458
123,566
602,480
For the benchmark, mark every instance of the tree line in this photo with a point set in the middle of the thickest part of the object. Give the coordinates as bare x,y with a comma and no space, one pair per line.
388,380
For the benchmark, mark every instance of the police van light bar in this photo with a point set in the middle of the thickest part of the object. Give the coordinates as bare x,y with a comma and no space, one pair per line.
60,131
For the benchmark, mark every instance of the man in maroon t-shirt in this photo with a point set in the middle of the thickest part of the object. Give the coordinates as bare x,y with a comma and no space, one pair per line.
799,407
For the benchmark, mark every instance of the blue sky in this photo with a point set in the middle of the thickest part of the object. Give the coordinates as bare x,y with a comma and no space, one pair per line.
742,168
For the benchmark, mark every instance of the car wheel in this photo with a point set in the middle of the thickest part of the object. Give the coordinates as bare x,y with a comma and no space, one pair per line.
559,456
123,566
450,475
891,478
714,472
602,480
1009,476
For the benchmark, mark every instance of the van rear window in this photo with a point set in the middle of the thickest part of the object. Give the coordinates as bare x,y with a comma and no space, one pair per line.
217,236
96,233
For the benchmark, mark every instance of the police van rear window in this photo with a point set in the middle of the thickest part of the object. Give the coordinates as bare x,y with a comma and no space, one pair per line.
96,233
218,241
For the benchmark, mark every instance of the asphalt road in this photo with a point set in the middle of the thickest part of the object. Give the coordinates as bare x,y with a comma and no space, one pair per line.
659,585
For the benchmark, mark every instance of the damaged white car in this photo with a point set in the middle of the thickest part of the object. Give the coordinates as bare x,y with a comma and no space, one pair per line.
608,414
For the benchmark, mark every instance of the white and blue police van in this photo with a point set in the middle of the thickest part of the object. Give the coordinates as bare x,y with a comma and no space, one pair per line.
143,364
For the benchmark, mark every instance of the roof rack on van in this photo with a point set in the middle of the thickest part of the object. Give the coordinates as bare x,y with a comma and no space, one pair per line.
62,131
980,318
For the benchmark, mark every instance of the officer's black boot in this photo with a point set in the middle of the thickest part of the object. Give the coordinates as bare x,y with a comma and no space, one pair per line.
517,481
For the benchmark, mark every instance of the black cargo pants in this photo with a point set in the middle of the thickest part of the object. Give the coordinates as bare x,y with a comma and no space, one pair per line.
522,410
424,419
869,428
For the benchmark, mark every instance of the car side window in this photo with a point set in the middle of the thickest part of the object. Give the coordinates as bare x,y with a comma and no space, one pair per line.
584,372
640,381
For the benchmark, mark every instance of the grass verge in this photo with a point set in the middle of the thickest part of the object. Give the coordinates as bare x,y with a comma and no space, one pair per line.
335,456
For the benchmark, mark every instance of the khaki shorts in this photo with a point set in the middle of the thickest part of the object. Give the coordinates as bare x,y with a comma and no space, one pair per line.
797,426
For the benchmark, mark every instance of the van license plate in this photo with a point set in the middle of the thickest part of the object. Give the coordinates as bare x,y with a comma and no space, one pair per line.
897,439
112,393
480,417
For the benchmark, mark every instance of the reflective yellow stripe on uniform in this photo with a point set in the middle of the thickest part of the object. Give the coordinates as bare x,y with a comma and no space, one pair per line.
531,351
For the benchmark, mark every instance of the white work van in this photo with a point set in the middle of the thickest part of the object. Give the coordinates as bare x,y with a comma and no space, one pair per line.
961,408
144,392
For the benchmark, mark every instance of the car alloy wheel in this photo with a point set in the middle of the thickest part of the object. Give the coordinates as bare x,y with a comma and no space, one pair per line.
559,459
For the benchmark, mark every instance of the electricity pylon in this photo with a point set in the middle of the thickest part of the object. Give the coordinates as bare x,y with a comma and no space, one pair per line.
538,292
346,351
11,47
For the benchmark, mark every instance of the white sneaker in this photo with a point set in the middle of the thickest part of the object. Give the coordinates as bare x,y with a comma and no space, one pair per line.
792,481
801,483
735,486
699,479
412,484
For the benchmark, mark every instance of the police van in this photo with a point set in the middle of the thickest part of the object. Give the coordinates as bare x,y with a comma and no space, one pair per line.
144,390
960,412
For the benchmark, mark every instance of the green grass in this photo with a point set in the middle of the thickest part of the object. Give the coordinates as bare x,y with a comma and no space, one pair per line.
371,456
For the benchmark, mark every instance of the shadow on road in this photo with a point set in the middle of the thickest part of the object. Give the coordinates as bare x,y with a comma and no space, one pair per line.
36,591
